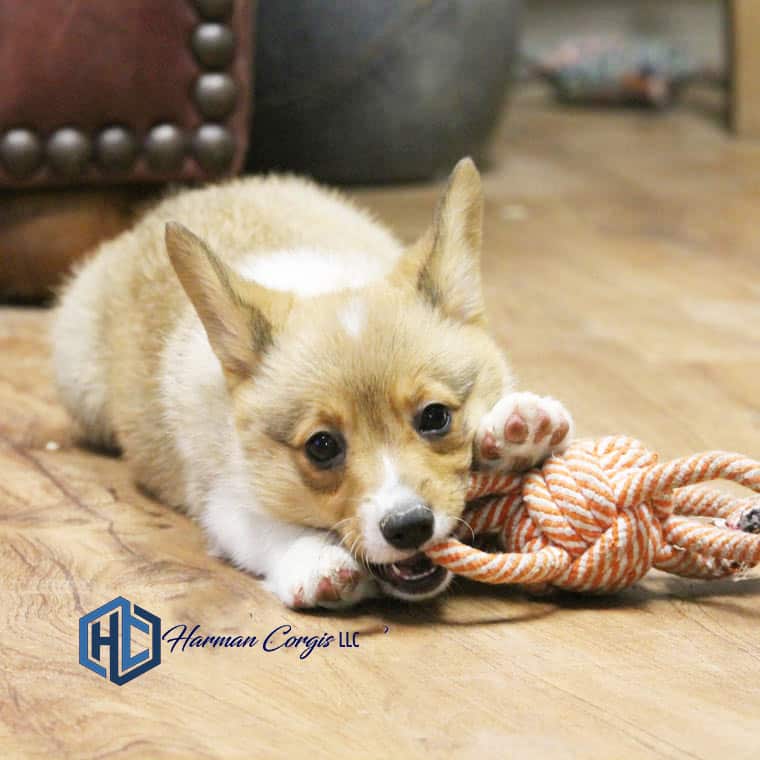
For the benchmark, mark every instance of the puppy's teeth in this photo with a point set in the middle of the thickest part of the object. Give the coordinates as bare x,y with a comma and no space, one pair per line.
515,428
560,432
543,427
489,448
413,576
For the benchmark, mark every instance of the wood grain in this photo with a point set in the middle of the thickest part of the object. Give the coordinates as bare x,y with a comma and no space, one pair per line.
622,268
744,48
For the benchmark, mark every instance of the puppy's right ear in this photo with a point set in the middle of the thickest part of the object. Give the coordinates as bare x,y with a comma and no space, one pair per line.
240,317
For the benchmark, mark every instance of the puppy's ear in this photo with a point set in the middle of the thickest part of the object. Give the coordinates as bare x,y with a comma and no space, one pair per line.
240,317
444,265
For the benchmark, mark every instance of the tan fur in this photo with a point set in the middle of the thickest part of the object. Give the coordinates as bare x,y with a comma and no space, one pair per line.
289,368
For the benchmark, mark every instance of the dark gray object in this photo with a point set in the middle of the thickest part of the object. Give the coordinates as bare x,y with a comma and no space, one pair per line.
213,147
214,9
165,147
68,152
20,152
215,95
379,90
213,45
116,149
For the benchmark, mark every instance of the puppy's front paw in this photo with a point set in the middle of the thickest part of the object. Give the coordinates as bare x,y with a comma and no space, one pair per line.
315,573
522,430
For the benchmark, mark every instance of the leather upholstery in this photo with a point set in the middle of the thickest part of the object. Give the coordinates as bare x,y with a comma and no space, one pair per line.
84,65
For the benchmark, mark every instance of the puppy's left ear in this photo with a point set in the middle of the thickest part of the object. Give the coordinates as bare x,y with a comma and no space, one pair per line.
444,265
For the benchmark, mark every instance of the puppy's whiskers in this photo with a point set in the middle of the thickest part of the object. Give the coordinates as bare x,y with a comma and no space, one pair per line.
466,525
335,528
351,539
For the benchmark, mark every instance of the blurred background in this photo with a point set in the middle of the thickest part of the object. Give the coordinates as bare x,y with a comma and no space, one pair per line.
621,271
136,95
697,26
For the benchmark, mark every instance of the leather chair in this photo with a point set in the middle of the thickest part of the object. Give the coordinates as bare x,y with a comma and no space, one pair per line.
121,94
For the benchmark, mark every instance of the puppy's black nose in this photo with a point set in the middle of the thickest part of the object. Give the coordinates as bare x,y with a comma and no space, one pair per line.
407,527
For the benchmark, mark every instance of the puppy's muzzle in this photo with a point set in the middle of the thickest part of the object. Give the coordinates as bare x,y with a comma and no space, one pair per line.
408,527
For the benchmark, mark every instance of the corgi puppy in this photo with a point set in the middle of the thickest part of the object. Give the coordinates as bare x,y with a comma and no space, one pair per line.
272,360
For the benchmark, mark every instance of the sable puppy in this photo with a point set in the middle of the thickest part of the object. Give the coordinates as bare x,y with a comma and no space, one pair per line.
309,390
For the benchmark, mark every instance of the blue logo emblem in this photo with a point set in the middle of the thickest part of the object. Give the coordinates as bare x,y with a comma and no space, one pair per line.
120,617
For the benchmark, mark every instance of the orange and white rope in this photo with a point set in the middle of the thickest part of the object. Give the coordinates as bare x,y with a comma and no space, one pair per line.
601,515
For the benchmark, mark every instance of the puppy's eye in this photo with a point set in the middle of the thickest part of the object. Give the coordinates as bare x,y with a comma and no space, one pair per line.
433,420
325,449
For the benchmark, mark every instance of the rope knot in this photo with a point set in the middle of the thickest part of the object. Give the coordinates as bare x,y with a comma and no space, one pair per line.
600,516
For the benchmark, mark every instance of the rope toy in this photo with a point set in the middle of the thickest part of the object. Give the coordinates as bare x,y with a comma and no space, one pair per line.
622,70
602,514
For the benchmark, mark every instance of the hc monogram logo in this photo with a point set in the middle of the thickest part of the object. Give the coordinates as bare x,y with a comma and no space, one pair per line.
122,666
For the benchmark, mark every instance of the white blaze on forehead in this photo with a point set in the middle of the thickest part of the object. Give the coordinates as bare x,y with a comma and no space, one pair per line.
353,316
390,474
391,491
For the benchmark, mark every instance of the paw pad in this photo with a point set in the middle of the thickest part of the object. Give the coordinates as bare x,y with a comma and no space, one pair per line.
522,430
489,447
562,430
515,428
543,426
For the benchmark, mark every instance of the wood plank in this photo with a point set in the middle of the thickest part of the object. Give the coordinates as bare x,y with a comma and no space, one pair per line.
622,268
744,48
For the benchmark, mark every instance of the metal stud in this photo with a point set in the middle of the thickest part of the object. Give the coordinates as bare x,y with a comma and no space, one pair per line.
213,45
214,9
116,149
215,95
20,152
165,148
68,151
214,148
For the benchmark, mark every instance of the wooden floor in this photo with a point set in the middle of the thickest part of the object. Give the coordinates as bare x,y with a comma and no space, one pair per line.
622,267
